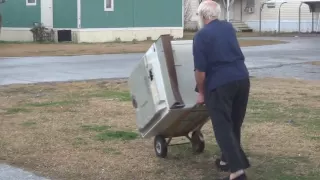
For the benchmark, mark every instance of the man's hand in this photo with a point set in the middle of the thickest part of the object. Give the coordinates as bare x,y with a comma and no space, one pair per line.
200,98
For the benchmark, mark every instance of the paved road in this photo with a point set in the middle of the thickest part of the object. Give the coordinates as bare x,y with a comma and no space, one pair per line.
42,69
285,60
12,173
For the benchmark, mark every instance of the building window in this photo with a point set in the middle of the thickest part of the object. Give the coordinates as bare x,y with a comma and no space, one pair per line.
108,5
31,2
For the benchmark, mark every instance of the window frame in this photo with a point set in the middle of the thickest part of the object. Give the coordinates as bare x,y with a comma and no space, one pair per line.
105,5
31,4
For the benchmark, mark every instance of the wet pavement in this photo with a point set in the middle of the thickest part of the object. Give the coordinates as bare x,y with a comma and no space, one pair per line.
283,60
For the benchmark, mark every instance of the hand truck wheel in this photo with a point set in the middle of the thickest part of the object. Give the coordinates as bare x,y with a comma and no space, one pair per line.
160,146
197,142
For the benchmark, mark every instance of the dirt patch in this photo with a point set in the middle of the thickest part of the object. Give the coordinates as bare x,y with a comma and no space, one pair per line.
33,49
86,130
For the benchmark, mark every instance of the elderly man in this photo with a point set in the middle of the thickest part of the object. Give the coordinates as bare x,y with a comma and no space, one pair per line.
223,85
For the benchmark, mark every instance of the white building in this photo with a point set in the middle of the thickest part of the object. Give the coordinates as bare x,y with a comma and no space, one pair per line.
247,12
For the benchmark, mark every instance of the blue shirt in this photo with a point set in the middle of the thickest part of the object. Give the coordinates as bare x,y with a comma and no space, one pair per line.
217,52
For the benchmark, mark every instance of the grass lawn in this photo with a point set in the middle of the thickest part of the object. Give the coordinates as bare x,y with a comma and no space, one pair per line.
17,49
86,130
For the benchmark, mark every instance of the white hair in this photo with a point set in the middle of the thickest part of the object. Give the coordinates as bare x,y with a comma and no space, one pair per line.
209,9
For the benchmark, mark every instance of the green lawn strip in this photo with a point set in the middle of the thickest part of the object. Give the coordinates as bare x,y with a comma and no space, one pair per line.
111,151
70,100
105,133
284,168
266,167
118,95
116,135
101,93
51,103
28,123
95,128
267,111
16,110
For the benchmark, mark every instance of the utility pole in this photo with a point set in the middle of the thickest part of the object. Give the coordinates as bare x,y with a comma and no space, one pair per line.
1,1
228,14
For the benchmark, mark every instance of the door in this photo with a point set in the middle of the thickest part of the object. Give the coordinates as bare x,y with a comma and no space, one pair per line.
237,9
231,9
231,12
141,92
47,13
224,9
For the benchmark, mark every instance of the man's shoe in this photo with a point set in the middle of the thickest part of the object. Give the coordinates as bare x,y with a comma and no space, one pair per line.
241,177
224,168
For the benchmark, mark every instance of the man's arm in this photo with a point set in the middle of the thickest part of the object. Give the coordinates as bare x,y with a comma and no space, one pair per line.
200,78
200,63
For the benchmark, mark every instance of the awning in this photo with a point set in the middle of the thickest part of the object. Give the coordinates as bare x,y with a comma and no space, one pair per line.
314,5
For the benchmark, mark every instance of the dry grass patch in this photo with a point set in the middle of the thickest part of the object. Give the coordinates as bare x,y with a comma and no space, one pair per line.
8,49
279,139
86,130
288,92
34,49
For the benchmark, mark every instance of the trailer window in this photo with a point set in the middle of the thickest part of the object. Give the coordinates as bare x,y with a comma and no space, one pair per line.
31,2
108,5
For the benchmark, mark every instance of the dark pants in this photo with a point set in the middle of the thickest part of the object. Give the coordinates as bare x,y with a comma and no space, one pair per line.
227,108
